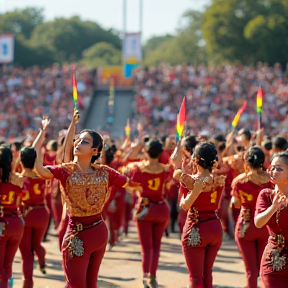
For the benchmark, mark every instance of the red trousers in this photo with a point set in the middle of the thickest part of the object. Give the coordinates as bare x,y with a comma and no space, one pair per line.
251,247
200,258
36,222
182,215
150,231
224,205
9,244
82,271
116,218
56,209
62,229
127,216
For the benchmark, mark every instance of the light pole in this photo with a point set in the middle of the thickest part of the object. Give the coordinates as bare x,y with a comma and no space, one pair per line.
124,17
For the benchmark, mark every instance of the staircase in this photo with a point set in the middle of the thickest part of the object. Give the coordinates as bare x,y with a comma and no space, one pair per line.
98,117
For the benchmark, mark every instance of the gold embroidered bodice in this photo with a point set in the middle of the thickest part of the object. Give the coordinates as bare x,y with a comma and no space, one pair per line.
85,193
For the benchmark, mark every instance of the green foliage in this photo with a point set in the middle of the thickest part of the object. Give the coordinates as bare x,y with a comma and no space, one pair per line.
69,37
21,22
60,40
101,54
185,47
246,31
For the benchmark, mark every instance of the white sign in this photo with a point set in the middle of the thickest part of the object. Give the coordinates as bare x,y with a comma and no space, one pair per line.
132,47
6,48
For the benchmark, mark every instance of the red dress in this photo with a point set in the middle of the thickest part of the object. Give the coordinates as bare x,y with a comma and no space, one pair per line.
274,263
152,216
86,237
251,240
11,226
202,235
36,217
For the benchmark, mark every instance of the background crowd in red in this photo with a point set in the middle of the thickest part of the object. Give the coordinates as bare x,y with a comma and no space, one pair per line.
214,95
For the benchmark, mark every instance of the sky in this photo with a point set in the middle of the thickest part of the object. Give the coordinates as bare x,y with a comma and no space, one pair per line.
160,17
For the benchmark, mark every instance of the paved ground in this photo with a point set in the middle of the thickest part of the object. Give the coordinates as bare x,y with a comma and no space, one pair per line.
122,266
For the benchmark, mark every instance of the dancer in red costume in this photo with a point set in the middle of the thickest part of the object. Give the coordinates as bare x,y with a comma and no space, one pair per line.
11,221
188,144
272,210
246,187
202,235
84,188
36,217
50,153
152,216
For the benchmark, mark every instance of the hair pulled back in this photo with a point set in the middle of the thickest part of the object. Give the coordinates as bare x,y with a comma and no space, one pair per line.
28,156
97,142
255,157
205,155
6,158
283,156
189,142
154,148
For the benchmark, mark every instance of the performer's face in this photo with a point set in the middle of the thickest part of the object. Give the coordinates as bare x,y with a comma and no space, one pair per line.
278,171
83,145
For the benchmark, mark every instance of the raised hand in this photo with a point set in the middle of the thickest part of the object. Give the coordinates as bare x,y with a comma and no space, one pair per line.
279,200
45,122
76,116
176,157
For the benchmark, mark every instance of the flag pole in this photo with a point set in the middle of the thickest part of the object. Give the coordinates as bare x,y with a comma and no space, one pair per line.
259,120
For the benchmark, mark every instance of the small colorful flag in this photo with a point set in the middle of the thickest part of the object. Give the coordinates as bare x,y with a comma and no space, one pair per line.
181,118
74,87
127,129
259,100
238,115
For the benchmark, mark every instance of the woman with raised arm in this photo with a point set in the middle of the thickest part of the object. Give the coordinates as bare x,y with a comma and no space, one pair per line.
152,216
245,190
84,187
272,211
11,221
185,163
202,233
36,216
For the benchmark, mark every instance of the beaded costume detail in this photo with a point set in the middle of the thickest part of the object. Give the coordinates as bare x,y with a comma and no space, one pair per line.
86,193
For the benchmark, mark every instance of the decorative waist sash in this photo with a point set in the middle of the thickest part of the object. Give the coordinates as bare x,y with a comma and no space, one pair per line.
245,214
194,237
278,255
75,243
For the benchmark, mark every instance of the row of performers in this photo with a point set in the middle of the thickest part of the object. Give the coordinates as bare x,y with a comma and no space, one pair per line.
90,190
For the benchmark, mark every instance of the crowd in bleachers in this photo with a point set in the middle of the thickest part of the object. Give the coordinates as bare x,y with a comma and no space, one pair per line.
28,94
214,94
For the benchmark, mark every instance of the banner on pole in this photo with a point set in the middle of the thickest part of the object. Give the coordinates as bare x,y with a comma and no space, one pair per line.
132,53
6,48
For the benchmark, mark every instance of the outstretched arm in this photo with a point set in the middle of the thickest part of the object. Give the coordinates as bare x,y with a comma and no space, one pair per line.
68,142
41,170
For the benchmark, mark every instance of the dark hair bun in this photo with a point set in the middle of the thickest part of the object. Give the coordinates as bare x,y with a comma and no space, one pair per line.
255,157
155,148
189,143
206,155
28,156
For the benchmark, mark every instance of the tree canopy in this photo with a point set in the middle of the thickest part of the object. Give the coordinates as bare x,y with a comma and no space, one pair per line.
225,31
246,31
60,40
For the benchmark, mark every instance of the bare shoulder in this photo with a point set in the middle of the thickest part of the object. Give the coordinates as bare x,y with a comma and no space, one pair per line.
241,178
17,179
